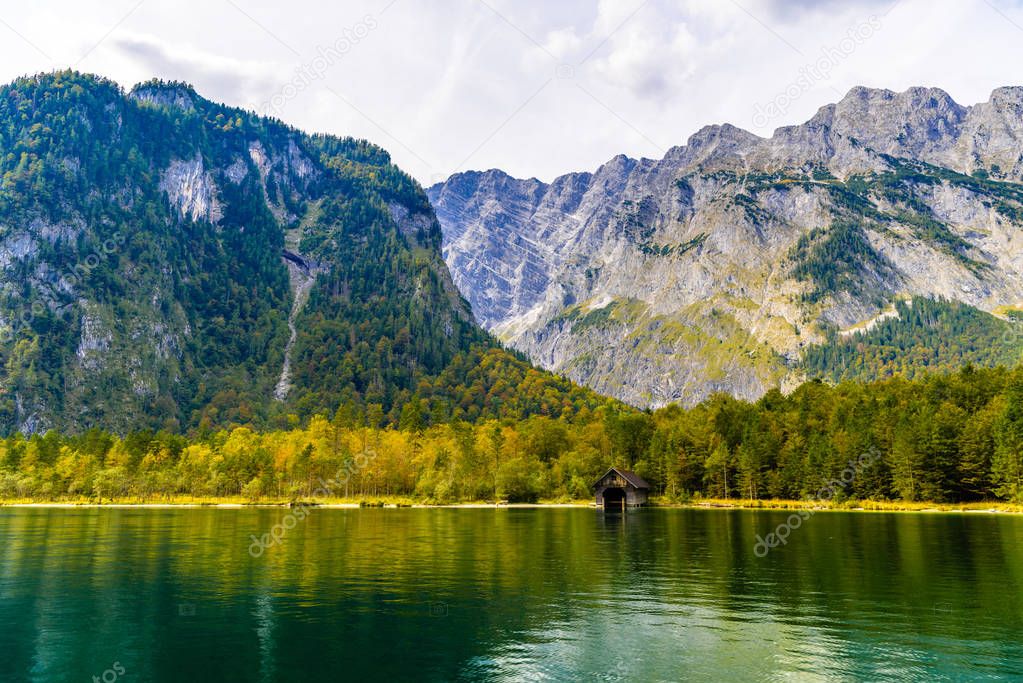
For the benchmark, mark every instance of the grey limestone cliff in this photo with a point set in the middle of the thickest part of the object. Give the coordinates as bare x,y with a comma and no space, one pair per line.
710,269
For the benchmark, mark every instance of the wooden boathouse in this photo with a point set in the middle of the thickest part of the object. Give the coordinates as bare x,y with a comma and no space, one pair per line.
619,489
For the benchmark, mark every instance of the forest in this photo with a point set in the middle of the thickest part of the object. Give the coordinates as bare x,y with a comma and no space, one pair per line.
431,407
117,262
919,336
943,438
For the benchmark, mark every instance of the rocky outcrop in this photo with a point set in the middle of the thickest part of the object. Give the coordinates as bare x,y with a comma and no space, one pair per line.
710,269
161,94
191,190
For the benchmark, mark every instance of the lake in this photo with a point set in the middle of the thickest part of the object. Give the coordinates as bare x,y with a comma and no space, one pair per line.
507,595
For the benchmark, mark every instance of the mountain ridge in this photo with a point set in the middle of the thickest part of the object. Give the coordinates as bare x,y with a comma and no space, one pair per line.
760,245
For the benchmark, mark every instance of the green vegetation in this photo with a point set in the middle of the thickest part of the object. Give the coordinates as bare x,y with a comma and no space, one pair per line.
635,219
901,188
84,158
122,310
924,336
677,249
126,308
837,259
613,312
703,334
946,438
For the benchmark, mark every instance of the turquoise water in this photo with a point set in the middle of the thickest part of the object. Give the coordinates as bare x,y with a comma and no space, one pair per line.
507,595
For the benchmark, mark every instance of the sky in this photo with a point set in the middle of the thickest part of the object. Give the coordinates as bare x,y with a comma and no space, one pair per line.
537,88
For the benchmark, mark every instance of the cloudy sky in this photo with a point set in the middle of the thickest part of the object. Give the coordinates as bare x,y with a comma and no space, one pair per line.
535,87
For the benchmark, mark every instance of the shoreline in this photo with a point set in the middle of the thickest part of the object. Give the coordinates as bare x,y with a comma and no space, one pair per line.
985,507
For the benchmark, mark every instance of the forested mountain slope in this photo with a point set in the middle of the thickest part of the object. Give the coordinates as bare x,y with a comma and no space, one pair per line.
154,244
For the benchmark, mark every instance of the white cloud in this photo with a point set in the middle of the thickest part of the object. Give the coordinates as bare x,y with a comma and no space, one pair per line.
237,82
650,57
440,83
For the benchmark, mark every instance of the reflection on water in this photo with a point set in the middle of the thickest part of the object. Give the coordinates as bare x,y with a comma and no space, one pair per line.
559,594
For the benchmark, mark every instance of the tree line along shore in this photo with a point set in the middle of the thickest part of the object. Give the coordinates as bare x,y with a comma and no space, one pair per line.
951,441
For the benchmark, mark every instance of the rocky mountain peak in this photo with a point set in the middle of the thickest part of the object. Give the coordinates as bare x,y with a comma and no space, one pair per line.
714,268
917,122
617,166
1007,98
721,136
713,142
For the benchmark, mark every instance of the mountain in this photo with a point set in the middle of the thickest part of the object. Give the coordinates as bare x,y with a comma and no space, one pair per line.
169,262
738,263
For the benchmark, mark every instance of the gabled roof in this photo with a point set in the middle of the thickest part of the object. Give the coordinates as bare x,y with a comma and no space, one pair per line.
628,476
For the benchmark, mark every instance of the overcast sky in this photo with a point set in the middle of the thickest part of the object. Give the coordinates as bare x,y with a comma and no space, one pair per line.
535,87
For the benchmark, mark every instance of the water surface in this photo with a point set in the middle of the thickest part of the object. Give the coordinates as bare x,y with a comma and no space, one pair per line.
507,595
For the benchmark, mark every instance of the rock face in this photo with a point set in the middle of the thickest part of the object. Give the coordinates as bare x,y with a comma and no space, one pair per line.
191,190
711,269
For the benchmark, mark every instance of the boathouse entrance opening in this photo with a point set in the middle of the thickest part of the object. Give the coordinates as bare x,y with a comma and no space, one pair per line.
614,498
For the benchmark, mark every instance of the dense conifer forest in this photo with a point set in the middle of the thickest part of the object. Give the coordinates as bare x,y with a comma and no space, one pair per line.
945,438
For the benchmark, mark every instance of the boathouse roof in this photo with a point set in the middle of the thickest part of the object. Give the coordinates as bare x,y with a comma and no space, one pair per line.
631,477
